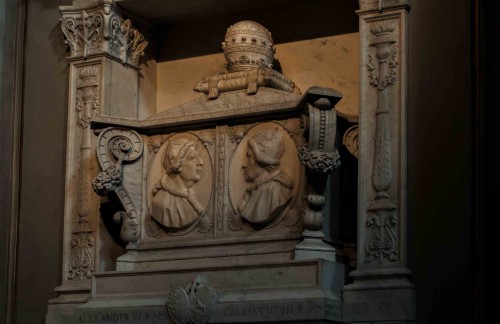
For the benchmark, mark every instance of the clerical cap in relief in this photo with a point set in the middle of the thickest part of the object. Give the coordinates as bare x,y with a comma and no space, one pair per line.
268,146
175,154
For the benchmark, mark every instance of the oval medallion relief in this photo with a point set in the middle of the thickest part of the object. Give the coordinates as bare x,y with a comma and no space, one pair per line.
180,184
264,175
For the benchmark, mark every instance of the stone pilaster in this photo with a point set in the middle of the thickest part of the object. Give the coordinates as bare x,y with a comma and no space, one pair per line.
382,291
104,50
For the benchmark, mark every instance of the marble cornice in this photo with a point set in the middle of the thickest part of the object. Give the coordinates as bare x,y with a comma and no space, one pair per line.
368,6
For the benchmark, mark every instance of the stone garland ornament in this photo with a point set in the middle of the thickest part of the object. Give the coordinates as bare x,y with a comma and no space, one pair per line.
319,161
102,31
381,224
114,147
192,305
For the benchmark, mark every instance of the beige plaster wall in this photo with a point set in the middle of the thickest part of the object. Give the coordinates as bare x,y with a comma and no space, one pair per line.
330,61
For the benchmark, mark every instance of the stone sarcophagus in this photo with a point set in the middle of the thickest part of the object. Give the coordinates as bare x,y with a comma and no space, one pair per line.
210,211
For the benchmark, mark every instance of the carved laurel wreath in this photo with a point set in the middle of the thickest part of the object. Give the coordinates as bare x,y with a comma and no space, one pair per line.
387,80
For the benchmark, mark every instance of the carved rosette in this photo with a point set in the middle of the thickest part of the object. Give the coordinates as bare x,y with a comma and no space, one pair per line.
381,243
114,147
351,140
101,30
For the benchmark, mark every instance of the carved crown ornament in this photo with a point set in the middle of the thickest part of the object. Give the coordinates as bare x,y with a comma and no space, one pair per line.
101,30
249,51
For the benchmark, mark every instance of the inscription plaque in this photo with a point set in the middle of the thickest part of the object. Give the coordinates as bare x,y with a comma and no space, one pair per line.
270,311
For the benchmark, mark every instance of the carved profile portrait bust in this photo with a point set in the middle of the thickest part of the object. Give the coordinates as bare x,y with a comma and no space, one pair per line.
174,203
271,188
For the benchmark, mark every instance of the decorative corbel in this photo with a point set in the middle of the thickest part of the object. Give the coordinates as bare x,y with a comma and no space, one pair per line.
320,158
114,147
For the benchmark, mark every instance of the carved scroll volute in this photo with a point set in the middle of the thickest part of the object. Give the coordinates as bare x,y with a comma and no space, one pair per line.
116,146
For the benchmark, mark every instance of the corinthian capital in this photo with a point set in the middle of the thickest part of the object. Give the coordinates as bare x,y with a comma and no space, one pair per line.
96,27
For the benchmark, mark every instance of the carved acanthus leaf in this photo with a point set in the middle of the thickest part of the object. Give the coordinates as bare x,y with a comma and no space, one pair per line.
84,33
102,31
81,262
381,238
126,41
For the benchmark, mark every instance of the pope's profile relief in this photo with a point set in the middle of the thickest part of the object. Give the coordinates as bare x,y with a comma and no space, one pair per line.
270,188
174,203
